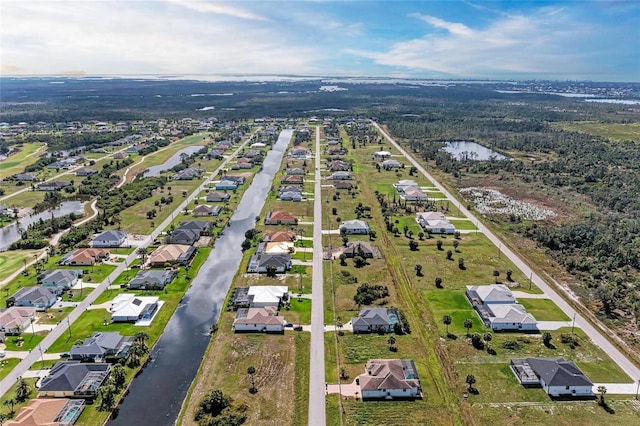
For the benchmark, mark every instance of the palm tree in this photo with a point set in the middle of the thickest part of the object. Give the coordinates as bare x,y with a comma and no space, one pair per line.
141,337
496,274
468,324
142,252
487,338
447,320
251,371
11,402
391,341
438,282
470,380
602,390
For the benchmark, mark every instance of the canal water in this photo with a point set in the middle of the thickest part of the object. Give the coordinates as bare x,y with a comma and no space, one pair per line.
467,150
11,233
156,395
173,161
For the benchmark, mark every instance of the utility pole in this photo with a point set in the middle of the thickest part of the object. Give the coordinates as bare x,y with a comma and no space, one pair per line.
573,324
530,279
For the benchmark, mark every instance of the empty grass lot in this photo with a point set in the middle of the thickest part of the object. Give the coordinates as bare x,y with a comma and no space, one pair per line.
11,261
543,309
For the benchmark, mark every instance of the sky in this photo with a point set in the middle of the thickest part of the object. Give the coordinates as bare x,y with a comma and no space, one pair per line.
562,40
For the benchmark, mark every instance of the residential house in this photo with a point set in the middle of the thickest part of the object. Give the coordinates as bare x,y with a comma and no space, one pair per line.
215,154
53,186
214,197
279,236
414,194
389,379
435,223
360,248
74,379
261,263
339,166
340,176
111,238
206,210
342,185
236,178
152,279
261,320
498,309
490,294
260,296
86,172
273,247
172,254
390,164
292,180
280,217
189,173
299,152
16,319
226,185
258,145
290,195
28,177
49,412
406,184
100,345
337,151
296,171
375,320
127,307
355,227
41,298
183,236
382,154
558,378
120,155
59,280
84,257
242,164
203,227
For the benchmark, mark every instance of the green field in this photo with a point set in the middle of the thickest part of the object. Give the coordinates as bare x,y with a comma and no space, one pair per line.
543,309
613,131
17,162
12,261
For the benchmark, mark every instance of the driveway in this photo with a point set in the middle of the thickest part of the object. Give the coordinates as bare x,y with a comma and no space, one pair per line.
345,389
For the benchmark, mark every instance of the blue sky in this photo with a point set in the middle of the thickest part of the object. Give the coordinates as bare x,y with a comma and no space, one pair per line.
577,40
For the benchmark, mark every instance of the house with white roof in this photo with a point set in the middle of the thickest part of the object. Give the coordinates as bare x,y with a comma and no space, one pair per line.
260,296
128,307
435,223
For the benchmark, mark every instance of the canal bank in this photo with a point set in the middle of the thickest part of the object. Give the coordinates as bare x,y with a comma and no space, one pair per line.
156,395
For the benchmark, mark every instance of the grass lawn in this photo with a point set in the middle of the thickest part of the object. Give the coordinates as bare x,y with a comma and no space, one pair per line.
6,365
543,309
455,304
29,342
25,199
496,382
11,394
11,261
16,163
300,312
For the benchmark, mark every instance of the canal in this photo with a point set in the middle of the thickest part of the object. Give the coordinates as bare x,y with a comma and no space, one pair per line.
156,395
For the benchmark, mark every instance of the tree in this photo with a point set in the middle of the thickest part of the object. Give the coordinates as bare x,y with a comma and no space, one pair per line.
546,338
119,376
487,338
251,371
602,390
343,259
421,235
413,245
470,380
11,402
446,320
213,403
107,395
496,274
456,243
438,282
449,255
468,324
23,390
141,337
476,341
461,263
142,252
418,269
359,261
509,272
456,235
439,244
391,341
271,270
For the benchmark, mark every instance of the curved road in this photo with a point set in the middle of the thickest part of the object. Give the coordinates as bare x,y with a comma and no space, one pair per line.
591,331
60,329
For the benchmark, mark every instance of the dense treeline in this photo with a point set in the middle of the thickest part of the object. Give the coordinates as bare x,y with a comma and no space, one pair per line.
603,249
34,237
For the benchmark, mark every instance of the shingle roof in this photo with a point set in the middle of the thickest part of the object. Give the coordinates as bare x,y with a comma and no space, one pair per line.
558,372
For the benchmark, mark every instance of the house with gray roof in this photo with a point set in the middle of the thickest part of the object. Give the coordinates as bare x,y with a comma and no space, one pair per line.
360,248
213,197
100,345
355,226
340,176
29,177
558,378
259,263
375,320
389,379
74,379
55,185
492,293
110,238
496,305
41,298
59,280
226,185
152,279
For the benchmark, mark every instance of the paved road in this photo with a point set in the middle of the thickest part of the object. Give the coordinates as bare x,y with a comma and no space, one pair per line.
317,414
63,327
596,336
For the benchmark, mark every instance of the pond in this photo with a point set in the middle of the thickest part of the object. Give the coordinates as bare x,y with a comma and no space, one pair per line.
11,233
466,150
171,162
177,355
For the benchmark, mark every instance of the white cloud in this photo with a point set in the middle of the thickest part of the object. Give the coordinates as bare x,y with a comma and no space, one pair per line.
543,42
217,7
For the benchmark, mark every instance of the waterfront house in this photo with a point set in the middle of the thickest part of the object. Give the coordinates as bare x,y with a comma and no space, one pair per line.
100,345
152,279
127,307
214,197
258,320
261,262
172,254
280,217
49,412
260,296
206,210
74,379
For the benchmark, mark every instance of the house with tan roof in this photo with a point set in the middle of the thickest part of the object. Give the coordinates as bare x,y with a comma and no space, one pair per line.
258,320
49,412
389,379
279,236
279,217
84,257
16,319
171,254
